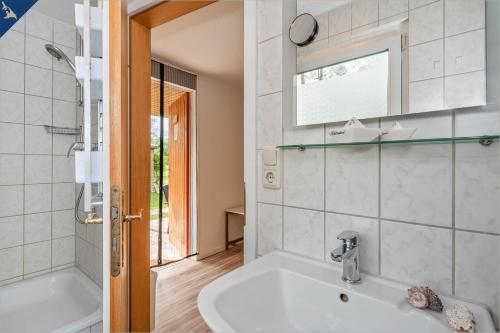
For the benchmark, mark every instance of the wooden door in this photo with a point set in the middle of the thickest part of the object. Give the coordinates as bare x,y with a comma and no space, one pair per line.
178,155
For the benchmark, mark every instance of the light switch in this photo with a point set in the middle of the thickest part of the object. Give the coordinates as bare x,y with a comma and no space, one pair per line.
270,169
269,157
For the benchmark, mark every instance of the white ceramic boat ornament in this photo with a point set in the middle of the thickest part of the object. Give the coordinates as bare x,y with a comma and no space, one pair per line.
397,132
354,131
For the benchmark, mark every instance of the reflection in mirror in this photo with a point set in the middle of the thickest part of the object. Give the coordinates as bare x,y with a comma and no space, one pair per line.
335,93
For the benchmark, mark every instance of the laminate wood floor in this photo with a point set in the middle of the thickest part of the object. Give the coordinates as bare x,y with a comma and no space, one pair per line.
178,287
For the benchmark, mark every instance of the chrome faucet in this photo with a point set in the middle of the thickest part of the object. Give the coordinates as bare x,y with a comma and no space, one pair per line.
348,254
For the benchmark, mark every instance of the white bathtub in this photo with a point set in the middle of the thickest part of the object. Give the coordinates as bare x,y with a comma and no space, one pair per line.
63,301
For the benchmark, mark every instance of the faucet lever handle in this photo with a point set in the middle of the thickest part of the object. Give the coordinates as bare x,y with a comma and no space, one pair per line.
349,236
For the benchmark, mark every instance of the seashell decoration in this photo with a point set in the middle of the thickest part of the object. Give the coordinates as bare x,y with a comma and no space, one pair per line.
461,319
432,301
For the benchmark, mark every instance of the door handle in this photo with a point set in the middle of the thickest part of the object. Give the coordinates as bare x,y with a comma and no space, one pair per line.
131,218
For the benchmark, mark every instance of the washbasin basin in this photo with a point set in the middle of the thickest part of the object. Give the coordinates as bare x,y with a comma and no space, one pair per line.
283,292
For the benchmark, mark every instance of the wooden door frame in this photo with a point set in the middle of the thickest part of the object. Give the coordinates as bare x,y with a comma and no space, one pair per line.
139,130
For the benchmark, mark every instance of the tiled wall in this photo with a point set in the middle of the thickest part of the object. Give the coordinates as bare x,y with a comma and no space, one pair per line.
427,214
37,230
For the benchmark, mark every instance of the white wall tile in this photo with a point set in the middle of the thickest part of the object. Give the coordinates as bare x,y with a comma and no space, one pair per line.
11,169
37,198
38,110
465,53
37,227
38,169
11,76
352,179
64,34
426,23
426,95
63,196
477,269
270,228
470,122
431,125
12,46
477,187
11,107
389,8
464,15
11,262
340,20
269,19
11,231
61,65
368,239
268,195
63,251
420,3
38,81
97,328
36,55
304,181
323,26
94,234
417,255
426,61
416,183
63,169
37,257
11,200
304,232
269,73
39,25
19,26
465,90
399,17
61,144
269,124
364,12
11,138
38,141
64,87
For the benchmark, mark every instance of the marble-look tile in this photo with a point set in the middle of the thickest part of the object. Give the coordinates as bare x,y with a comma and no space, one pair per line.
302,134
11,138
64,87
304,180
426,95
11,169
269,73
464,15
416,183
476,122
64,34
37,257
11,107
417,255
11,76
477,270
465,90
388,8
303,63
61,144
430,125
38,273
269,19
12,46
340,20
63,251
38,81
465,53
270,228
426,23
363,29
11,231
304,232
20,25
38,110
368,239
61,65
269,124
352,179
36,55
38,141
426,61
477,187
94,234
37,227
11,200
11,263
364,12
323,26
400,17
97,328
63,196
39,25
38,169
63,223
37,198
63,170
268,195
419,3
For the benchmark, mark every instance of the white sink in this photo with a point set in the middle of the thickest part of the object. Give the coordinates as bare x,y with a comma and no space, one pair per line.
281,292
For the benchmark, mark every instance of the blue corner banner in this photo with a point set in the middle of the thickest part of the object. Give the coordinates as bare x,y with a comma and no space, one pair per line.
11,11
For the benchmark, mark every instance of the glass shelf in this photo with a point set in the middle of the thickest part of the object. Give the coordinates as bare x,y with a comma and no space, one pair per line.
485,140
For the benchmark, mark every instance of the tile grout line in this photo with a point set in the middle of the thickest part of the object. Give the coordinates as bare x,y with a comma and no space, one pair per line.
379,205
453,205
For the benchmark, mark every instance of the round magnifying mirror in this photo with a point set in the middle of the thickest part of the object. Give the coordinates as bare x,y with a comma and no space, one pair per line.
303,29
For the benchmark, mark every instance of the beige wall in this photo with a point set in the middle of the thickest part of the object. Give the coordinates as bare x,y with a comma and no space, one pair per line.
220,160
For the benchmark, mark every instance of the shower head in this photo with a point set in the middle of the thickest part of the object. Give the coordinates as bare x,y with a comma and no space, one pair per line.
59,54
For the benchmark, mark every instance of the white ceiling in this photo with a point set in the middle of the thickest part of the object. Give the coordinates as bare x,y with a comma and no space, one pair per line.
208,41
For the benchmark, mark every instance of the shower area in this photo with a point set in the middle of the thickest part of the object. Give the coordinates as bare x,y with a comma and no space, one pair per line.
51,235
